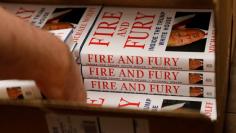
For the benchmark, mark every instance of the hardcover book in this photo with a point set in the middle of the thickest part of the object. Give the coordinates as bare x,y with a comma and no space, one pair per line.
69,23
149,75
27,12
206,106
15,89
176,39
149,88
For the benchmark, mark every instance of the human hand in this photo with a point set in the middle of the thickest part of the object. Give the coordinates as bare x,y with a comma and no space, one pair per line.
68,87
32,54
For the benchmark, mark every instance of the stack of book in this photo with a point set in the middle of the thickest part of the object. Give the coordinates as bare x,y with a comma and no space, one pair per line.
154,59
135,58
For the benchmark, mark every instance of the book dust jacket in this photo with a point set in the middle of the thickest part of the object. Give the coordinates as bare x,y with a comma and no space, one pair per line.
172,39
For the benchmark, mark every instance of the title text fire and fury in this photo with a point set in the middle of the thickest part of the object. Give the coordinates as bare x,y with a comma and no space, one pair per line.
123,37
109,23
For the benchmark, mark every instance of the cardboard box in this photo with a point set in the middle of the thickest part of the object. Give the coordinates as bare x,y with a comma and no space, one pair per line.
230,123
30,116
231,107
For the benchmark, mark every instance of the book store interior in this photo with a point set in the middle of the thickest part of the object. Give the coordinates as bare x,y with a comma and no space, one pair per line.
65,68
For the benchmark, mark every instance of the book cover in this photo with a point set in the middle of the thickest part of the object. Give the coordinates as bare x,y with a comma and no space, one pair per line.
28,12
69,23
206,106
176,39
149,88
16,89
149,75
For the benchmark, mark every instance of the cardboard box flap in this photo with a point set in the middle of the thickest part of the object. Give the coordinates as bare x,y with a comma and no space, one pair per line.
30,112
223,42
223,13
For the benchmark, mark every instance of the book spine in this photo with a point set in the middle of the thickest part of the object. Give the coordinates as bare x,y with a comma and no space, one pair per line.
148,62
15,89
205,106
84,26
149,88
149,75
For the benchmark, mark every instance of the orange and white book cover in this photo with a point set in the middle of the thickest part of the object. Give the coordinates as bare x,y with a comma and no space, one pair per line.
172,39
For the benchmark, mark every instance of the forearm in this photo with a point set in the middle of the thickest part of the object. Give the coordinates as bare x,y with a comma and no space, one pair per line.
29,53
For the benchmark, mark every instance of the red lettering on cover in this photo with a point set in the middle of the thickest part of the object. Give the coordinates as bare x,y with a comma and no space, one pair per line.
133,87
139,31
101,71
107,25
163,89
131,43
168,89
123,29
131,73
96,41
212,43
166,75
106,28
103,85
140,15
98,103
208,108
176,89
24,13
131,60
100,58
127,103
172,89
167,61
162,61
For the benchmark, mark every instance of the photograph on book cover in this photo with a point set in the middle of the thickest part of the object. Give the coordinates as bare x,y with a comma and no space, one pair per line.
19,89
196,64
189,32
15,93
63,21
195,78
196,91
170,104
164,39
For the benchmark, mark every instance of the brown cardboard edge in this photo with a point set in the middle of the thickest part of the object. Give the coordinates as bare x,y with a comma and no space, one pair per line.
137,3
231,107
21,119
223,16
73,107
230,123
160,121
233,33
